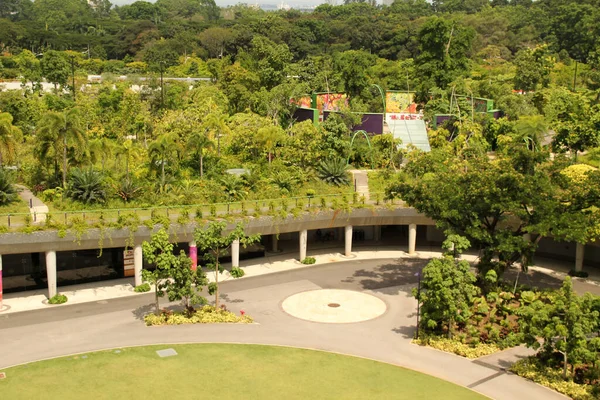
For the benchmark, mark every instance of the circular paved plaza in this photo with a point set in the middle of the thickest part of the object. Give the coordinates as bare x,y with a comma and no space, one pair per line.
334,306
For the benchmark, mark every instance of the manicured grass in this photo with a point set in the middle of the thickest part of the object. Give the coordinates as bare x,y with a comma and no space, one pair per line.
220,371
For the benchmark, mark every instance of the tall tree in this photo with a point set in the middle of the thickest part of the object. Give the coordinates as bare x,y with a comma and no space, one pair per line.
445,47
55,68
270,137
61,131
352,65
10,135
215,124
214,242
565,322
162,151
200,142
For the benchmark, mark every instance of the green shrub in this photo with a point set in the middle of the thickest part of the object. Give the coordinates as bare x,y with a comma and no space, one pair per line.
86,186
333,171
58,299
455,346
309,260
8,192
578,274
531,368
143,288
204,315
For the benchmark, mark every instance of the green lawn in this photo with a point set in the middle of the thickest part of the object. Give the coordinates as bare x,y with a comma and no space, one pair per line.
219,371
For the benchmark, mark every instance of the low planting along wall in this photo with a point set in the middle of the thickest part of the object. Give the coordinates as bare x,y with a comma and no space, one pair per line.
107,237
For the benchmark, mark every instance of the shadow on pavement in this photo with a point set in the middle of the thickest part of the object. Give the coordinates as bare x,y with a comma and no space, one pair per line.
226,298
140,312
407,331
400,273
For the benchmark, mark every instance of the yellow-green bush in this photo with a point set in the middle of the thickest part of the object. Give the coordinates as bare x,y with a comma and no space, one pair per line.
530,369
577,172
457,347
204,315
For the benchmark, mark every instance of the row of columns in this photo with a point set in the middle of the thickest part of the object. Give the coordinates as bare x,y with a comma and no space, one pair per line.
348,231
235,255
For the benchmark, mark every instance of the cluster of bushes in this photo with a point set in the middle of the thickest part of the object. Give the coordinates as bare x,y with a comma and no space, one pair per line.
205,315
475,316
582,387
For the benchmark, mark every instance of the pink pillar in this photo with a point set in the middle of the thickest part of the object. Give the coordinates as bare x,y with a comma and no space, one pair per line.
0,282
194,255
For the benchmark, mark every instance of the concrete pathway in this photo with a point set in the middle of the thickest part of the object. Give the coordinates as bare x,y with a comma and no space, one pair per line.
36,206
361,182
114,323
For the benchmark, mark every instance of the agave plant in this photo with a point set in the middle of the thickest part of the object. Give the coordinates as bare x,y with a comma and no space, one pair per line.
333,171
86,186
128,190
8,193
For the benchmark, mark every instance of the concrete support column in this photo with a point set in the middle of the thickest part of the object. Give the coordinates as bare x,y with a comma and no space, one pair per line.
579,254
412,238
303,242
194,255
51,273
377,233
235,253
348,240
274,243
138,263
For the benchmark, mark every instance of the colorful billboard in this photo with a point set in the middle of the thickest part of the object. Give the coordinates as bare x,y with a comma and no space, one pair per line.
303,102
331,101
400,102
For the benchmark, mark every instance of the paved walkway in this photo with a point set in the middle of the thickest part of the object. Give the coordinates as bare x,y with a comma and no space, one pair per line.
36,206
361,182
382,273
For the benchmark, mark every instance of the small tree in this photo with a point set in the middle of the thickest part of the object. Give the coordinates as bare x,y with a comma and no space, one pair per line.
186,283
565,322
447,292
214,243
159,251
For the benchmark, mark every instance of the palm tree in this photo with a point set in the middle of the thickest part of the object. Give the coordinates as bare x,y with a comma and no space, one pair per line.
200,141
101,148
162,150
9,135
61,130
270,136
216,125
130,152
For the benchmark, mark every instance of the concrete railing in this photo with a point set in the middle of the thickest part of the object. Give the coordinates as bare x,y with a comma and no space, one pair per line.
184,213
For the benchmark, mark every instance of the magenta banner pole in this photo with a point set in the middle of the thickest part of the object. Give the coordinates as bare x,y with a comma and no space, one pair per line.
194,255
0,283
